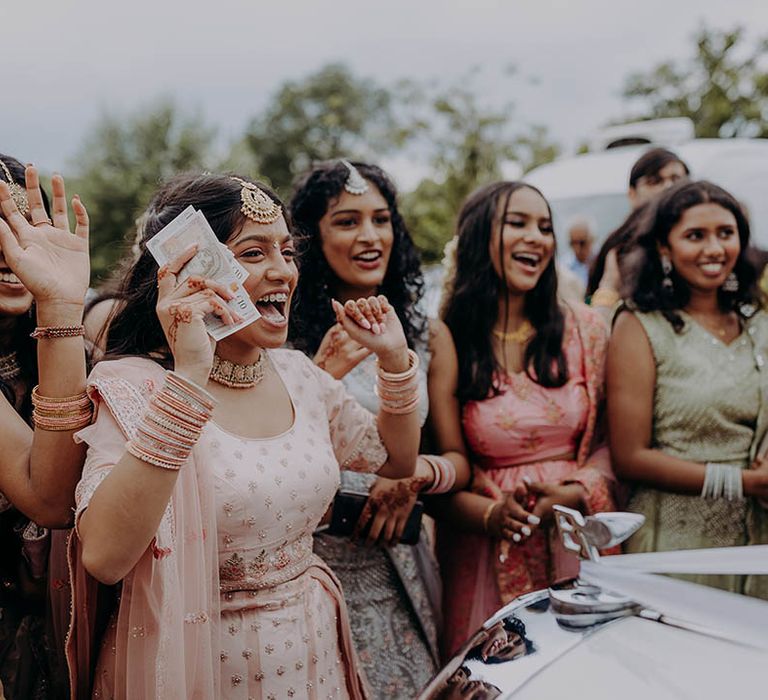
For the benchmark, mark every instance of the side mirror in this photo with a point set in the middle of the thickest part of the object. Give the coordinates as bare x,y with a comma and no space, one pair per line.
585,535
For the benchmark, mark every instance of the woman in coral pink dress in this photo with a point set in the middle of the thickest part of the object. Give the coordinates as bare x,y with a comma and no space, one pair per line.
203,485
530,381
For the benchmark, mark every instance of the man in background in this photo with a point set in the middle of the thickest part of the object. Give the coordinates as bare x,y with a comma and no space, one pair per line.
581,238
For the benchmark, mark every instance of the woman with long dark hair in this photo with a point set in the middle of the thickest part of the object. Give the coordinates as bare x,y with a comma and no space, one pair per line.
655,171
44,272
687,380
355,243
209,466
530,383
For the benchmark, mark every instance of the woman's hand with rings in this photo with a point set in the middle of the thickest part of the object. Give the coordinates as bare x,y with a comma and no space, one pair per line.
509,520
49,260
373,323
182,307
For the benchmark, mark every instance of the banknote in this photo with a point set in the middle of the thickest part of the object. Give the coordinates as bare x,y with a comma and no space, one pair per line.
213,260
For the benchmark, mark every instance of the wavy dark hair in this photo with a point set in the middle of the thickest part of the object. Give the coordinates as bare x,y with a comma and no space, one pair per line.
135,328
643,286
651,162
25,347
403,284
621,239
472,308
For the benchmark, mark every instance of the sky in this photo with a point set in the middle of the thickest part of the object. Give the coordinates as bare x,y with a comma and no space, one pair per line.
67,62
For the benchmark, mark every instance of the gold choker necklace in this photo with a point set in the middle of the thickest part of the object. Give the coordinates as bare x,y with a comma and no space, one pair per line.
9,367
521,335
238,376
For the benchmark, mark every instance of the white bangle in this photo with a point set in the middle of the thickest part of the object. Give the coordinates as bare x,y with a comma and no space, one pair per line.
723,481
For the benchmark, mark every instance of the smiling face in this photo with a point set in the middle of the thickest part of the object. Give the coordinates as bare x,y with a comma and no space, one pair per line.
357,237
703,246
527,240
267,252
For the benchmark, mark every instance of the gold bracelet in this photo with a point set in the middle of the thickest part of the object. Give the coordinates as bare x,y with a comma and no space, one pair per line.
57,332
487,514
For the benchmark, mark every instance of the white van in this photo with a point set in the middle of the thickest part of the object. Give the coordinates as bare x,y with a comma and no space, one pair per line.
595,184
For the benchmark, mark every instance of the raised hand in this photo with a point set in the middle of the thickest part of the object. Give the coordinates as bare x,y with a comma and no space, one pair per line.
338,353
181,308
49,260
373,323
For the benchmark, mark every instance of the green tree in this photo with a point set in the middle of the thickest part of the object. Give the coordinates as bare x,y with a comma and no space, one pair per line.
329,114
722,87
121,164
467,145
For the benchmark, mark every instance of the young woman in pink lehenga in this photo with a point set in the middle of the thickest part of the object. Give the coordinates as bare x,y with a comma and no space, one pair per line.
218,592
531,383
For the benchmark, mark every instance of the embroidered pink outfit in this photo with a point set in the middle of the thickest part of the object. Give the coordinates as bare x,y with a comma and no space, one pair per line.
526,431
229,601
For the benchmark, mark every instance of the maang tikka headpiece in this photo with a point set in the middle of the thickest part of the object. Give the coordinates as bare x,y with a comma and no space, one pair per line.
356,183
256,204
18,193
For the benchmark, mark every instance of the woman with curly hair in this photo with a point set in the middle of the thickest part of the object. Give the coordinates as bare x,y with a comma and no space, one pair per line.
354,242
531,370
687,380
44,272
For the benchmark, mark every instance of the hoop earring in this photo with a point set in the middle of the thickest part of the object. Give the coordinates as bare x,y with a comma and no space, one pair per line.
666,267
731,284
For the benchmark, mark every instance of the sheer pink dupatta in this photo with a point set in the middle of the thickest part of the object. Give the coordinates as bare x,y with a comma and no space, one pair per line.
167,622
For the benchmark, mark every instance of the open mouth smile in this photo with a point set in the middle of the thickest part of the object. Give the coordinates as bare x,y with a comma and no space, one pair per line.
530,261
368,259
272,308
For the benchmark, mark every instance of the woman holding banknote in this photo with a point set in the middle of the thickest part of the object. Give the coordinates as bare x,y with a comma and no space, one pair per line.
210,464
44,272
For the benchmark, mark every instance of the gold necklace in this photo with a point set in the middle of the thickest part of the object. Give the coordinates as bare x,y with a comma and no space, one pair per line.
9,366
707,325
237,376
523,333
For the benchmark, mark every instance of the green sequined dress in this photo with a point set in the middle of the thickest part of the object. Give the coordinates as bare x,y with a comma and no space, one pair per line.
709,405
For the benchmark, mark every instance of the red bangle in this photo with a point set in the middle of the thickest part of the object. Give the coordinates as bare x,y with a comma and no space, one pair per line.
58,332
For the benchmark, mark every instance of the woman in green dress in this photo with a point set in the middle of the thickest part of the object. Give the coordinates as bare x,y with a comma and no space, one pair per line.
687,381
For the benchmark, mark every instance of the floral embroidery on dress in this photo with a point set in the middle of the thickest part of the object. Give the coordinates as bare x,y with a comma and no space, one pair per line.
266,568
124,400
368,455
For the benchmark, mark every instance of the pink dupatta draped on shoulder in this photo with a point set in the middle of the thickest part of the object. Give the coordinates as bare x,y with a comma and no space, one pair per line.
168,614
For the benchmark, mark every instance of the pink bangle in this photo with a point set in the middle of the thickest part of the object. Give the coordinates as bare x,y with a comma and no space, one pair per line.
445,474
172,423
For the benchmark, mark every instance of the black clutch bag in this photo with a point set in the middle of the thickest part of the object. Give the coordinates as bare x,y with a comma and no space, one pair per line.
347,507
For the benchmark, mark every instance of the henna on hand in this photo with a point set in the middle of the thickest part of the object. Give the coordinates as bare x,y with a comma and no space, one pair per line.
196,283
179,313
332,349
162,273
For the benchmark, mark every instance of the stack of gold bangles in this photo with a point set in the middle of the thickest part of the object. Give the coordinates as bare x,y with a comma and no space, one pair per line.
61,413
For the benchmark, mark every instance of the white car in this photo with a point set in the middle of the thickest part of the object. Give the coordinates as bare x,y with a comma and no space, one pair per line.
595,184
619,631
